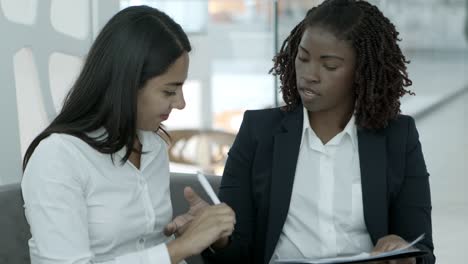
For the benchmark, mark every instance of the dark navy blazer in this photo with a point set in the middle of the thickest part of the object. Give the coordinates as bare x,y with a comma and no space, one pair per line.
259,174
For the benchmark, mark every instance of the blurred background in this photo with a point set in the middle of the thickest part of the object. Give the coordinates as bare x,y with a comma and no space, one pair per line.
43,44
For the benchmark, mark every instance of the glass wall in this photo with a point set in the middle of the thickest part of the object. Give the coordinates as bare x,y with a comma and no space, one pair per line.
234,43
232,51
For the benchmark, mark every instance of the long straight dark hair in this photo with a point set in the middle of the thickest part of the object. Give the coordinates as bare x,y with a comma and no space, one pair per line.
137,44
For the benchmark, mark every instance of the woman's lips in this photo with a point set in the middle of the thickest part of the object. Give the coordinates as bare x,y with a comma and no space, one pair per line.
164,117
309,93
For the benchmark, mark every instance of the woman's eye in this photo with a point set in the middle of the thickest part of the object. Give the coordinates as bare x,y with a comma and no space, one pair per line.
169,93
330,68
302,59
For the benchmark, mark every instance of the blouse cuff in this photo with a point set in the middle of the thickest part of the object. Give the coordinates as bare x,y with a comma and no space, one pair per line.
159,254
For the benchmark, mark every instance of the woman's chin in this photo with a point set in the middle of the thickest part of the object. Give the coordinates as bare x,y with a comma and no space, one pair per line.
149,127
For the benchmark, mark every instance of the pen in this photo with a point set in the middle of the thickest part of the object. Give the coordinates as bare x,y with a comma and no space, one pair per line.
207,187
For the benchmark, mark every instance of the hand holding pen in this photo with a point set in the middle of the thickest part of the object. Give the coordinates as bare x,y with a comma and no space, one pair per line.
202,225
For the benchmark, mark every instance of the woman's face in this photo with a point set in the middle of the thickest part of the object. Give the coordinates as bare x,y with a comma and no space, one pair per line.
161,94
325,68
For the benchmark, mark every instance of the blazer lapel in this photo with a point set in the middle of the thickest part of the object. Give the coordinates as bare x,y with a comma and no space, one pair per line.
286,151
373,162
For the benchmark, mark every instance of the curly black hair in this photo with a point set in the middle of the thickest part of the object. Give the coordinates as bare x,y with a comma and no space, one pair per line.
381,75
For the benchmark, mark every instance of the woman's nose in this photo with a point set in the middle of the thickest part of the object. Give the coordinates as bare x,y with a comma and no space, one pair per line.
179,102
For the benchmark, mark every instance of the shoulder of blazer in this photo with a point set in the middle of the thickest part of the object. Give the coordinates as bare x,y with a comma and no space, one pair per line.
401,133
401,122
399,127
265,114
265,119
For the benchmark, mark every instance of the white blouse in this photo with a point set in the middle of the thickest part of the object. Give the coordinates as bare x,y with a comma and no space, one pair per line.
326,214
83,208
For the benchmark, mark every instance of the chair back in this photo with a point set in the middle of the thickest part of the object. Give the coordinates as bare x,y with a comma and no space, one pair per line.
206,149
14,230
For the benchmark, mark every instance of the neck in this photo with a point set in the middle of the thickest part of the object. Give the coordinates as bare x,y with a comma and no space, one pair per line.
328,124
137,144
135,156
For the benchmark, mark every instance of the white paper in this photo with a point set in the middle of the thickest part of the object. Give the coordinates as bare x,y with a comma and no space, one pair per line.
365,256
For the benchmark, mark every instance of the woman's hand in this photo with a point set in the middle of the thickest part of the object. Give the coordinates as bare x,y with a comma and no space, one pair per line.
388,243
178,225
206,227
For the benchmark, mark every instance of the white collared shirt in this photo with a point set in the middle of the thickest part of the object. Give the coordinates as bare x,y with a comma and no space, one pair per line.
325,217
82,208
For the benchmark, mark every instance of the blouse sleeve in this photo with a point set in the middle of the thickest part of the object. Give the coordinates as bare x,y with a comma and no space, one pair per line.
53,188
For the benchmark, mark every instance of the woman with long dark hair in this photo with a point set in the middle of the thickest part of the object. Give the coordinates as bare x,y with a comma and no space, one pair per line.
96,180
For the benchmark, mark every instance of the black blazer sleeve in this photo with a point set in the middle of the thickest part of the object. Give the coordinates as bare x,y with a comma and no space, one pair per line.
235,191
410,210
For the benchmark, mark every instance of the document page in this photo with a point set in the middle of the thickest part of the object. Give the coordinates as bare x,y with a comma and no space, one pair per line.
405,252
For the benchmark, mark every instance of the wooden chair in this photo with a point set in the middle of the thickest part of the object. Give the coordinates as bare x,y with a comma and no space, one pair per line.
206,149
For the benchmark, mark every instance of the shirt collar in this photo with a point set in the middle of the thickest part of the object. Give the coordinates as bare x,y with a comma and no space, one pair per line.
350,129
147,139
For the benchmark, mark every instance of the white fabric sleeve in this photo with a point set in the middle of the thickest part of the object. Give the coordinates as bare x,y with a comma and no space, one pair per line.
55,206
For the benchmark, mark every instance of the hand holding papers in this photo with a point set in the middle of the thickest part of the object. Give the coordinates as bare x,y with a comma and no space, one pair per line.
405,252
207,187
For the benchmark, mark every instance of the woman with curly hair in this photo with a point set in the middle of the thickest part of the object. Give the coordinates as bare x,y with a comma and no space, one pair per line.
337,170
